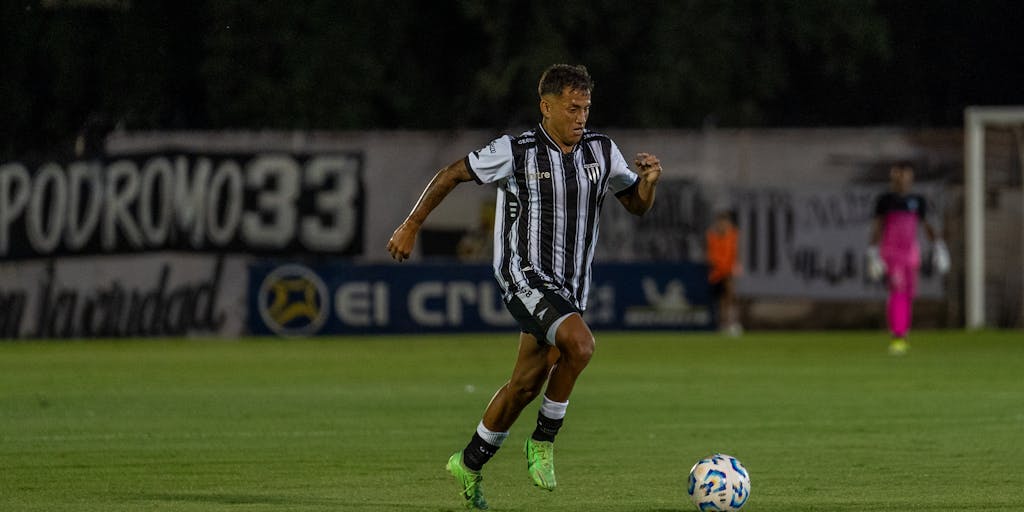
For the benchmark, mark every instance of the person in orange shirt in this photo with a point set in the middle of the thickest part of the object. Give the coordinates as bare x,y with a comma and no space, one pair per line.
723,266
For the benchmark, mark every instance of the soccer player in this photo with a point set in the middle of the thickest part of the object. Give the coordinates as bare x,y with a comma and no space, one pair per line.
722,240
552,181
894,250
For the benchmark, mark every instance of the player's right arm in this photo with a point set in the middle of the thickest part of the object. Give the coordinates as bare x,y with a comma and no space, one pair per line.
403,239
875,264
876,231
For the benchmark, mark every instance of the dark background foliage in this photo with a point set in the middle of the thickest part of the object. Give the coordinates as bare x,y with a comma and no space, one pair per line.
89,65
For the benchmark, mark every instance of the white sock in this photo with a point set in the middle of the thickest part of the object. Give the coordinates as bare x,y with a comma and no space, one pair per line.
492,438
552,409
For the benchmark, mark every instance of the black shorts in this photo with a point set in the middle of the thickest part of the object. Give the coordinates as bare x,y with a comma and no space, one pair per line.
537,309
718,289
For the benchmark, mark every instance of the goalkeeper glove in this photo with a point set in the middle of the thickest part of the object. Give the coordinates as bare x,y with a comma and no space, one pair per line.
940,256
876,266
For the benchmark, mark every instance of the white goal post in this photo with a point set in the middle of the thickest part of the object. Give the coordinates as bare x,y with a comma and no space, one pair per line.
976,119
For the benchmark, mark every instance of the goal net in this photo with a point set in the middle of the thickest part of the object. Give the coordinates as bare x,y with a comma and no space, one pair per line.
993,217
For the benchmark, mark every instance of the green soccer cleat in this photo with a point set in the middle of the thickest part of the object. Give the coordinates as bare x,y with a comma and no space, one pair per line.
540,463
469,482
898,346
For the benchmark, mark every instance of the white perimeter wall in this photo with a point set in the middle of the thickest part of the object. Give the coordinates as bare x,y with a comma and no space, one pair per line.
398,164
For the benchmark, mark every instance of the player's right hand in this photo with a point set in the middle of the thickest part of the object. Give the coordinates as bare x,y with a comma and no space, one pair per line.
875,264
402,240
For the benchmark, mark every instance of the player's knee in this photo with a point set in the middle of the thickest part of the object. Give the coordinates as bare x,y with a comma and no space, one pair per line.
578,348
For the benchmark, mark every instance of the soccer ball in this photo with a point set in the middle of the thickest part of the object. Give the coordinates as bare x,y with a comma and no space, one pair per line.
718,482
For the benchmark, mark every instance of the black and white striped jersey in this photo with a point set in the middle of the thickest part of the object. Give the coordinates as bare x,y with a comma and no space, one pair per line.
548,208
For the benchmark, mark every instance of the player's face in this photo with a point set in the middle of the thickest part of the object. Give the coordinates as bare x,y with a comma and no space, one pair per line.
566,115
902,178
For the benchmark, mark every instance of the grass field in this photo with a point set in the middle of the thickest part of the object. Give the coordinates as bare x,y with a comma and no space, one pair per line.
823,422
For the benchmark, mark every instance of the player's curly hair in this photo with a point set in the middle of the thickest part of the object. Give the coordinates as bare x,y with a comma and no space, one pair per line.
559,76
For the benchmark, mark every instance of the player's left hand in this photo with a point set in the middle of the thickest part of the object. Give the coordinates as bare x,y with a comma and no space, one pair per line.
940,257
650,167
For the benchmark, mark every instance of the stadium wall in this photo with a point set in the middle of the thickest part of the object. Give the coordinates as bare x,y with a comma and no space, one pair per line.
245,198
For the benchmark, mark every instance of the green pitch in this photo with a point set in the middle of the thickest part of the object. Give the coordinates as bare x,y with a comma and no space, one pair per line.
823,421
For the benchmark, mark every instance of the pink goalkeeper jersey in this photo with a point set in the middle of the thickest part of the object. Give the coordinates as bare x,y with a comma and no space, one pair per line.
900,215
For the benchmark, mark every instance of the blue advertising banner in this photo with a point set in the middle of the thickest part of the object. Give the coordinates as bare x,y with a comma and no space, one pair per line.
292,299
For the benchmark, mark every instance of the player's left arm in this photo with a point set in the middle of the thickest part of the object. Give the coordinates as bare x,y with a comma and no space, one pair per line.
940,253
922,213
737,262
641,197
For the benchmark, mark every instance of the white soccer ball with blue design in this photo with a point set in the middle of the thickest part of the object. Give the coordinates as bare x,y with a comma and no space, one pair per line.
719,482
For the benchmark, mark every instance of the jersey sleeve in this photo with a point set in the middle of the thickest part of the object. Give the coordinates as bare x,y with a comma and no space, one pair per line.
492,162
620,177
882,205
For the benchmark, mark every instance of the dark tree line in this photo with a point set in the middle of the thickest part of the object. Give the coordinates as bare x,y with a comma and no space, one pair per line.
79,66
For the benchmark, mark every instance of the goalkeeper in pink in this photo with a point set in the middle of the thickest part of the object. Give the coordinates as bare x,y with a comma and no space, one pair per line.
894,250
